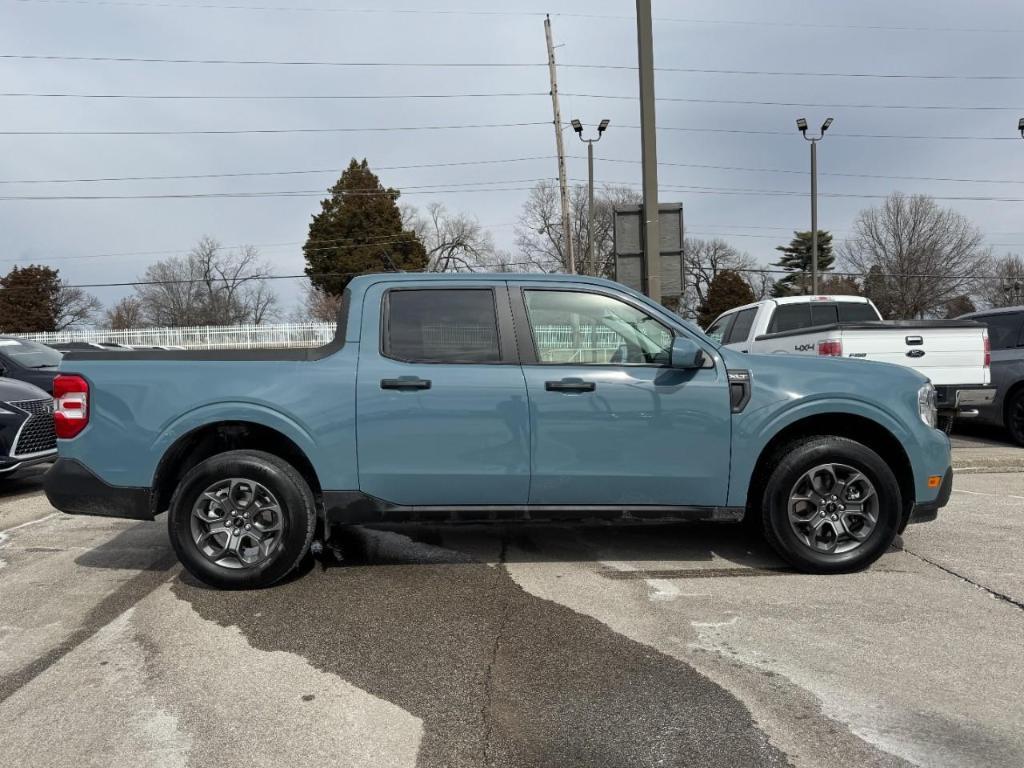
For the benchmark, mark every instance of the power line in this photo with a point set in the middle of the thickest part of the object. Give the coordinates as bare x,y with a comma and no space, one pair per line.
752,102
235,131
265,97
820,173
525,14
506,65
255,195
275,173
494,95
262,131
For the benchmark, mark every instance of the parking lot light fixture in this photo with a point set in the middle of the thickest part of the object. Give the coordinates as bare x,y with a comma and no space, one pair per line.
801,125
1020,127
601,128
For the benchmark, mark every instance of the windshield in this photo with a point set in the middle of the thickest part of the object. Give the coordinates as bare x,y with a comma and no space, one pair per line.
30,354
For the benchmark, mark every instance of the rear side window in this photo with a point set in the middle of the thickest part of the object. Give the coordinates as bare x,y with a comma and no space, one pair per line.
824,314
442,326
856,312
741,328
1004,330
719,329
790,317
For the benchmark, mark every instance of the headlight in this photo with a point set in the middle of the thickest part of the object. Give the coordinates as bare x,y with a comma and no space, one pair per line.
926,404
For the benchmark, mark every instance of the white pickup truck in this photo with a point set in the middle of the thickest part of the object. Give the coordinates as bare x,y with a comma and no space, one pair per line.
954,354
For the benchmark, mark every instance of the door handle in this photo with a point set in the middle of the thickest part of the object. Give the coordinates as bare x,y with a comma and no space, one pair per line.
570,385
405,382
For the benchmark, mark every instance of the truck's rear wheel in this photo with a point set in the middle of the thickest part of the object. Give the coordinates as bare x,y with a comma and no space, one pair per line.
241,519
831,505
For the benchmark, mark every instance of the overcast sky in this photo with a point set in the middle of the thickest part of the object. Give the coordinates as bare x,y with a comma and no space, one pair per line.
947,38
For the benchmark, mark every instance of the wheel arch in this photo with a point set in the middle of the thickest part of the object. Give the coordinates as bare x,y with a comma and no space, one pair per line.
862,429
211,438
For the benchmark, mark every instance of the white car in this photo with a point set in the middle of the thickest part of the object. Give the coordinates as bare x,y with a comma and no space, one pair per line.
954,354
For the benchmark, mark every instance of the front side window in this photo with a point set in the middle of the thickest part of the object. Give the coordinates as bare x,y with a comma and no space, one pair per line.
741,328
574,328
1003,329
719,329
442,326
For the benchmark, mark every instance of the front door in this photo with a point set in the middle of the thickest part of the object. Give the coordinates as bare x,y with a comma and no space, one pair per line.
442,414
610,423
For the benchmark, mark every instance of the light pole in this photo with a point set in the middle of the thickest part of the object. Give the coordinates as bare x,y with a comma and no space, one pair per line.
801,125
601,128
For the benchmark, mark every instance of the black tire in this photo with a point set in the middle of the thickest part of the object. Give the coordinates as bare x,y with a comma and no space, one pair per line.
1014,419
298,513
799,457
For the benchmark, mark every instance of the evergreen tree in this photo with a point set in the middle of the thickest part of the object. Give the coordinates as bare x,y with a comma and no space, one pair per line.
796,260
359,229
727,290
29,299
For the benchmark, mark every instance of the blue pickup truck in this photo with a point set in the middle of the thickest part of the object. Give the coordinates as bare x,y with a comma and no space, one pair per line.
495,398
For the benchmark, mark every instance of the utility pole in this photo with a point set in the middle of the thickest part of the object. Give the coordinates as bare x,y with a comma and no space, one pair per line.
601,128
648,149
570,261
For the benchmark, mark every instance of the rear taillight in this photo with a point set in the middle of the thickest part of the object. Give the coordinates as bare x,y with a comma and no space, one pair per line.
70,405
988,350
830,348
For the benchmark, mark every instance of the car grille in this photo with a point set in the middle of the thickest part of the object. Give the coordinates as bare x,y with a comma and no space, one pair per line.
36,435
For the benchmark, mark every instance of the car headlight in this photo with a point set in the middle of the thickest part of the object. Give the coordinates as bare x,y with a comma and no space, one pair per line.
926,405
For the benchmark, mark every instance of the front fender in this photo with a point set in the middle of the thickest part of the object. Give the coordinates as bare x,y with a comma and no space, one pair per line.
753,431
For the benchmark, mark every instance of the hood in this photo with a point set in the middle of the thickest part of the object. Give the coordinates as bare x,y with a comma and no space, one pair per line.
808,375
12,390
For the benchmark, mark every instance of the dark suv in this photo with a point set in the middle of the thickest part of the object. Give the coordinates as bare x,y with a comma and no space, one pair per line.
29,361
1006,334
27,434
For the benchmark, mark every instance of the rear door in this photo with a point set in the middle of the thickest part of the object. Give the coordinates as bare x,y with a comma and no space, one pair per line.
610,423
442,408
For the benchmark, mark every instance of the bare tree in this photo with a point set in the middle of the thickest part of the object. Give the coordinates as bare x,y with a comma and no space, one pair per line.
126,313
920,256
74,307
1007,289
210,286
454,241
703,260
316,306
539,229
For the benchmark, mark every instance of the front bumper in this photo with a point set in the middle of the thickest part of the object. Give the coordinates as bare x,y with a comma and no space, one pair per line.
9,465
925,512
71,487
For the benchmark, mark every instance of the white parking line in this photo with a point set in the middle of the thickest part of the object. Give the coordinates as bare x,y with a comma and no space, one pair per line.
994,495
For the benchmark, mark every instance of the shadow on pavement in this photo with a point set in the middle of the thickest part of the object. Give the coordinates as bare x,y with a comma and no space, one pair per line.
23,481
496,675
142,547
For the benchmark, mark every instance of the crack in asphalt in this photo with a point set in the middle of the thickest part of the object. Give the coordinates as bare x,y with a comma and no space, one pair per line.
992,592
485,712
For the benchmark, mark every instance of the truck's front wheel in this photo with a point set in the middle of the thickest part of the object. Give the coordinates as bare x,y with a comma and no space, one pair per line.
241,520
831,505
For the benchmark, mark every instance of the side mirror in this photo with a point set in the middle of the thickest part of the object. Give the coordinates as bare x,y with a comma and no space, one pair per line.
686,354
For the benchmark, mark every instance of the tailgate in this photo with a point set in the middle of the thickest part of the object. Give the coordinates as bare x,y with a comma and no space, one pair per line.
944,355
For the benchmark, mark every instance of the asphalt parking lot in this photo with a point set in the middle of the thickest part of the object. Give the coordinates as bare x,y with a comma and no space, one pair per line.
518,646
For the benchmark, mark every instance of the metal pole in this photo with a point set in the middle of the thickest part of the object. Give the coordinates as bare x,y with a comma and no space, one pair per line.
648,149
590,207
814,217
570,261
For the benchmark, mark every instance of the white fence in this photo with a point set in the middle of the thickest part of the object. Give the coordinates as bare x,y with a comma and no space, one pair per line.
594,343
204,337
